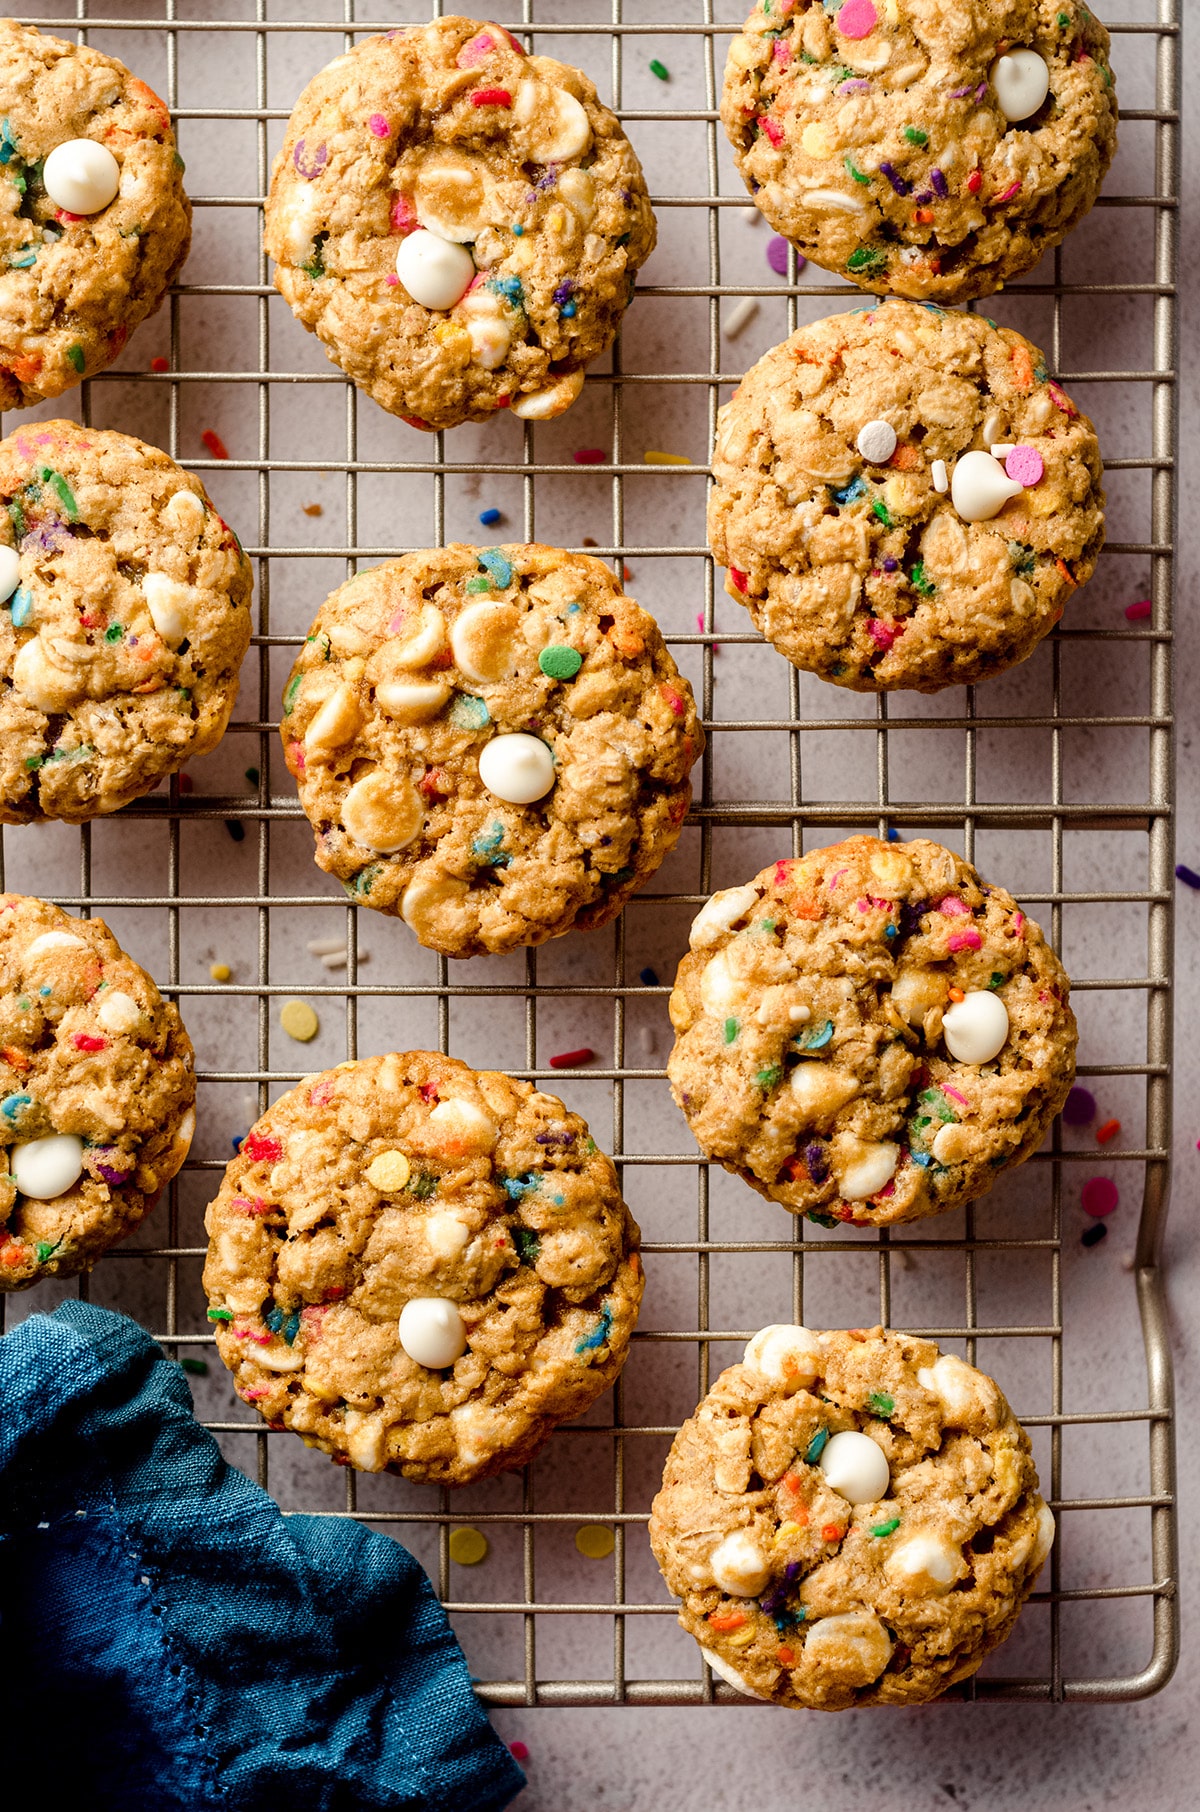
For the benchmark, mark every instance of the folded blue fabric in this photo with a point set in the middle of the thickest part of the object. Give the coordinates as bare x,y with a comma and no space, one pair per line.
173,1641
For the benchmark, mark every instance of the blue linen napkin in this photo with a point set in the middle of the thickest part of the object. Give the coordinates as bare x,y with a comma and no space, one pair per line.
173,1642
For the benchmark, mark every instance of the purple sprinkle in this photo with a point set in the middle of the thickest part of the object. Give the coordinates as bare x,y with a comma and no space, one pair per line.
924,198
855,86
890,565
897,181
777,256
981,91
817,1160
956,94
560,1136
564,291
1080,1108
939,183
548,180
627,197
311,167
109,1175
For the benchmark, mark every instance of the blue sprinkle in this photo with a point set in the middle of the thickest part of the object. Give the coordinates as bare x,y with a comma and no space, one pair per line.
486,845
849,493
291,1327
820,1039
23,264
468,713
508,286
922,1158
893,835
889,931
648,978
494,562
1188,876
572,610
890,566
599,1334
515,1187
816,1446
274,1319
22,607
489,517
14,1105
567,310
238,1142
45,991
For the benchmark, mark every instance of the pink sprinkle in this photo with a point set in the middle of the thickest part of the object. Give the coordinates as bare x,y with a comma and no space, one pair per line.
295,750
512,43
320,1092
857,19
404,215
964,940
429,1091
772,129
519,1751
1018,921
379,126
952,907
252,1396
1024,466
1098,1197
392,280
835,878
589,456
674,699
570,1060
1135,612
783,873
249,1334
475,51
260,1149
250,1204
83,1041
1014,188
864,905
954,1095
491,97
1061,398
888,1189
782,52
884,634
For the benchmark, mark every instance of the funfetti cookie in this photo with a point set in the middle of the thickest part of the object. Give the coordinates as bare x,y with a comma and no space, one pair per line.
904,498
871,1033
849,1518
460,224
124,617
920,147
421,1268
94,223
97,1087
493,743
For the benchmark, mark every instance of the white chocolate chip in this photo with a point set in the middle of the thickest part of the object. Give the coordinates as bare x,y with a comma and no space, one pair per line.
119,1012
482,640
446,1234
870,1168
553,124
46,1168
450,198
1045,1534
491,341
1021,80
426,897
856,1467
926,1562
789,1356
432,1332
81,176
336,723
980,487
419,642
542,405
383,811
517,768
365,1440
171,605
951,1144
739,1566
56,940
975,1029
42,684
852,1648
185,512
993,426
721,992
730,1674
463,1126
436,272
10,571
818,1089
915,992
279,1358
956,1386
720,913
412,701
578,189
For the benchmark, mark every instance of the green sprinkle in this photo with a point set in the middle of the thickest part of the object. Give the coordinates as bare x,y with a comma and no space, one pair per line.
731,1030
75,354
853,170
996,980
422,1185
65,494
591,1146
33,763
46,1249
197,1367
17,517
479,585
822,1220
1063,20
925,586
364,880
868,259
769,1077
1022,557
879,1530
881,1403
114,632
879,508
560,662
816,1446
527,1243
289,697
660,70
915,136
220,1314
315,267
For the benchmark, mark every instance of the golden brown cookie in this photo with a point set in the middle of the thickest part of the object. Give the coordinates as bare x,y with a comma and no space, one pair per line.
97,1092
870,1034
124,617
460,224
849,1518
421,1268
868,526
94,223
492,742
928,149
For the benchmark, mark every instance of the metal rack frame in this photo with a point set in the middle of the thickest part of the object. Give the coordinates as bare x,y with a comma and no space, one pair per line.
1152,814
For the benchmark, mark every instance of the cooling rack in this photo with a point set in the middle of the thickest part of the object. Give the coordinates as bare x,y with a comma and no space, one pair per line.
1057,779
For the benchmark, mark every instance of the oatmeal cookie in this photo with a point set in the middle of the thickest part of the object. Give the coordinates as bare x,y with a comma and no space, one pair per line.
868,527
94,226
125,614
930,150
849,1518
96,1092
421,1268
460,224
493,743
870,1034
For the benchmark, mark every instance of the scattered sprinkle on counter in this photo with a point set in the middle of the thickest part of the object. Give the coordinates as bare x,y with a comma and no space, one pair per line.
750,215
197,1367
649,977
215,444
660,70
595,1541
666,459
1187,875
299,1020
1091,1236
1108,1131
185,783
252,776
649,1041
1098,1197
740,317
1080,1107
777,256
313,509
324,946
160,364
220,972
519,1751
1135,612
468,1546
489,518
589,456
569,1060
236,829
893,835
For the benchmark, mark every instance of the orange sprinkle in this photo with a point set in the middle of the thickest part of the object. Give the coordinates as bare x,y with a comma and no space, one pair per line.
832,1532
13,1254
1022,366
925,216
785,1656
859,1333
727,1620
792,1483
20,1061
957,994
905,458
1104,1133
1065,570
215,444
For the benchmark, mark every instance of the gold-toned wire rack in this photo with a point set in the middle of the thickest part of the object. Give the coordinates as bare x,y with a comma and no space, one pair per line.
1059,780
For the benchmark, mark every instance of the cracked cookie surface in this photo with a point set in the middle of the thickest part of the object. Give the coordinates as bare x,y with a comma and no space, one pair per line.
411,1178
520,180
817,1019
865,570
413,677
74,286
97,1088
121,642
876,135
849,1518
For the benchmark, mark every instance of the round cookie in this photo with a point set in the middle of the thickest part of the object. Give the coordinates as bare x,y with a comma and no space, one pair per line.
79,132
868,528
460,224
96,1092
493,743
421,1268
870,1034
849,1518
124,616
929,150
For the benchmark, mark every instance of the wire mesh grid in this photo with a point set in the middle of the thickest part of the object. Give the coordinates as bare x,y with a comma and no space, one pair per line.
1056,792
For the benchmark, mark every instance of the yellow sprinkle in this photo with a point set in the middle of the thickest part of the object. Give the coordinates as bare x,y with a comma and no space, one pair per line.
815,140
666,459
742,1637
595,1540
468,1546
220,971
556,220
785,1531
299,1021
389,1171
